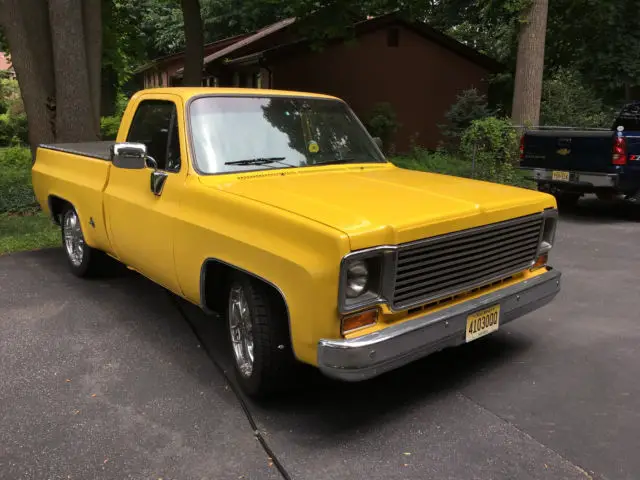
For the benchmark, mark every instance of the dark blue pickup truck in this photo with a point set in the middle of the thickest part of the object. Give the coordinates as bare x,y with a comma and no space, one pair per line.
569,163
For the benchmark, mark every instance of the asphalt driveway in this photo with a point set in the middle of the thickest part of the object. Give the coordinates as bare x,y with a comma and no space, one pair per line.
106,379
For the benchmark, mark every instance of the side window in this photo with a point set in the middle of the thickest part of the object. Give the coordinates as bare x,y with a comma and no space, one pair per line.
155,124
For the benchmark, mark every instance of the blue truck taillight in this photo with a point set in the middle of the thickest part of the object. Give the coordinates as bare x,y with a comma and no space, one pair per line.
619,156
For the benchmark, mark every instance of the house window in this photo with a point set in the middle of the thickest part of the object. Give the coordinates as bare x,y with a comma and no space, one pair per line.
393,37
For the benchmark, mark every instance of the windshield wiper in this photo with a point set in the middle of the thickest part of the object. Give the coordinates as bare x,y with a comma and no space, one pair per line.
336,161
260,161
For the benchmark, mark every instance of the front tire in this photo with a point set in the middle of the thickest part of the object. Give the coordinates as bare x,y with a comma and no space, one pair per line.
259,336
83,260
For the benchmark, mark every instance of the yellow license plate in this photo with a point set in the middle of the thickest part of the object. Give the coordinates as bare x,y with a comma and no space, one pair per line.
483,322
562,176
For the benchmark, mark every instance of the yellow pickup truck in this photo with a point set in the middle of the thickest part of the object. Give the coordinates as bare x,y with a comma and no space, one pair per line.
280,211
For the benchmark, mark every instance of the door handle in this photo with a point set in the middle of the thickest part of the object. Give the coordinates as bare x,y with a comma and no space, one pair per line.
158,179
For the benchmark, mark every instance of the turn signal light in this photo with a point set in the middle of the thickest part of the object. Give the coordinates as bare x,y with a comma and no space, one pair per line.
541,261
360,320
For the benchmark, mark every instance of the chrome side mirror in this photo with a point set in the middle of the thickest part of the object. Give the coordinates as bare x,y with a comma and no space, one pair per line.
132,156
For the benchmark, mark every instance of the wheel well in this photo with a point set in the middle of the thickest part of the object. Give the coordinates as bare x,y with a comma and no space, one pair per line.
214,283
56,207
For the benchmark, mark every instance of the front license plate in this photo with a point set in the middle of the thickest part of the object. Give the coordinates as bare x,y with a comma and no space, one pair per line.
561,176
483,322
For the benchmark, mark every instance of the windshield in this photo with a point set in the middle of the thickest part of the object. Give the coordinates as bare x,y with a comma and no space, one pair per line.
255,133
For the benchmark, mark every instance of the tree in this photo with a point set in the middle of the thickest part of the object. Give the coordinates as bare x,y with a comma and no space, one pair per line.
530,64
194,39
602,45
56,52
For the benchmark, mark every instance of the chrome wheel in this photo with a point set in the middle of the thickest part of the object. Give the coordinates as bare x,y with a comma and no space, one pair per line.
73,238
241,330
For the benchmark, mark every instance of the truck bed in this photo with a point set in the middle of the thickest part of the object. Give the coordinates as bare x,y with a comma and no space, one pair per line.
99,150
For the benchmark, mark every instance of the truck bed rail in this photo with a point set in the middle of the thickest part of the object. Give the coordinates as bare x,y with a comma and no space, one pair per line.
99,150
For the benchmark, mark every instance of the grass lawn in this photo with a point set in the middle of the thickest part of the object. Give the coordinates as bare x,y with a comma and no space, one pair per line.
27,232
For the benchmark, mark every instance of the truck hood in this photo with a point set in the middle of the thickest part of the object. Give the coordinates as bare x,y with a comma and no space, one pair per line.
382,204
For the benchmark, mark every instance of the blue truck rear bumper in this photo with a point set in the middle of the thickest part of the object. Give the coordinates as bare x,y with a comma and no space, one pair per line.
583,179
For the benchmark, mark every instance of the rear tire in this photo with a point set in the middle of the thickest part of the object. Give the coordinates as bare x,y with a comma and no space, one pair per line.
607,196
567,199
259,336
563,198
83,260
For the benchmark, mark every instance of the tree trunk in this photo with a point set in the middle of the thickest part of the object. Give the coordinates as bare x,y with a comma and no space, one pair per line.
194,49
92,27
530,65
26,27
75,120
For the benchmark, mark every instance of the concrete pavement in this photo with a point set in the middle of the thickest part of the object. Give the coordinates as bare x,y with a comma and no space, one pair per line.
104,379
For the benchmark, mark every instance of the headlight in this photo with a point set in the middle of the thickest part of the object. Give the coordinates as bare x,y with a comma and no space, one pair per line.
357,277
550,223
361,279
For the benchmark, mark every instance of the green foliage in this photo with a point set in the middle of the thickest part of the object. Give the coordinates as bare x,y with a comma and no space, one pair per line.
593,37
13,130
494,143
470,105
568,101
16,192
124,43
597,38
13,121
10,97
490,26
456,165
437,162
27,232
109,125
382,122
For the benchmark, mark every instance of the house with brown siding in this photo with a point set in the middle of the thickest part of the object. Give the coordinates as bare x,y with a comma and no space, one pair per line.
416,69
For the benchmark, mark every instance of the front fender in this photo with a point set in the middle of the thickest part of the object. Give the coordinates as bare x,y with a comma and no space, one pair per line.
297,256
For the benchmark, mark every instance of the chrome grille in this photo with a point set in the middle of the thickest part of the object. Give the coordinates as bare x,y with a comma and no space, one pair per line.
442,266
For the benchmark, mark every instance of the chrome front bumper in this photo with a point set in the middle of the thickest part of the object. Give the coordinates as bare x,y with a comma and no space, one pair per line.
373,354
588,179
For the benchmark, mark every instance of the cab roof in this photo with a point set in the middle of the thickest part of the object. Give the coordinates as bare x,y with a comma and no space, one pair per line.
188,92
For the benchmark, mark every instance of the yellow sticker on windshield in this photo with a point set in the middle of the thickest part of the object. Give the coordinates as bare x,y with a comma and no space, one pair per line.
313,147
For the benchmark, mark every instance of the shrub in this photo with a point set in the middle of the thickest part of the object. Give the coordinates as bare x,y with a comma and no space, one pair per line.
382,122
439,161
10,98
16,193
109,127
13,130
494,142
470,105
567,101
